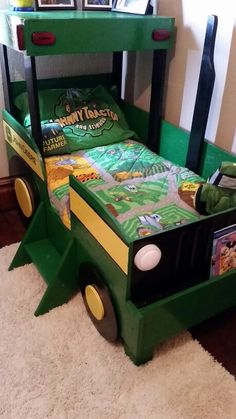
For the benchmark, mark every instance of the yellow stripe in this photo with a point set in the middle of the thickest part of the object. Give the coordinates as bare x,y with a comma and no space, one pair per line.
22,148
108,239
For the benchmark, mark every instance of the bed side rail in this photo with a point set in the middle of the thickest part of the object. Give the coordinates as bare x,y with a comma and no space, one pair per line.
23,145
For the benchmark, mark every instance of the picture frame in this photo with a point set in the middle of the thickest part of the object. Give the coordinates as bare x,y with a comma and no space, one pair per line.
97,4
55,5
140,7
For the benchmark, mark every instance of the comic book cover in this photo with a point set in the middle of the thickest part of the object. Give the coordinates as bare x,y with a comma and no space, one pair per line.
224,251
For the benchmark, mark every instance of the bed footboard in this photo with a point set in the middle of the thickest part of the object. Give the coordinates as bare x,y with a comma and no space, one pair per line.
186,259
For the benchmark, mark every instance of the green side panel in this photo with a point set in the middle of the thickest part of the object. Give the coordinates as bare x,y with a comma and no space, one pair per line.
16,170
212,158
174,142
137,120
13,156
22,132
174,145
174,314
66,82
128,32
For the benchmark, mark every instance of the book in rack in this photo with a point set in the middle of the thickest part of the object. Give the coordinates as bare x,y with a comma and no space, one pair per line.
224,250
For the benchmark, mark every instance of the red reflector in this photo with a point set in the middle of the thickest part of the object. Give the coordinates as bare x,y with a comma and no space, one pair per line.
43,38
160,35
19,32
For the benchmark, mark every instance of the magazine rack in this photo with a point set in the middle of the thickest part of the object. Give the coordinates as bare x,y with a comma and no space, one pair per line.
139,315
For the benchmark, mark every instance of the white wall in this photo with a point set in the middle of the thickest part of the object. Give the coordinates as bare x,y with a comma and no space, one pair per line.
191,17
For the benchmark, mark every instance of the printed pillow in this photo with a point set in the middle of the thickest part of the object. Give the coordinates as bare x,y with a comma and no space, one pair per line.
75,119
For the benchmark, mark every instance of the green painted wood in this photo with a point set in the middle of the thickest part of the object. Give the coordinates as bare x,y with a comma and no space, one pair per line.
45,257
137,120
181,311
64,283
174,142
174,146
140,328
36,231
90,251
12,155
128,32
212,157
59,253
55,260
57,233
23,133
66,82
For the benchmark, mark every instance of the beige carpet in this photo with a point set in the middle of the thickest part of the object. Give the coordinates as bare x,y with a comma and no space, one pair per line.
58,366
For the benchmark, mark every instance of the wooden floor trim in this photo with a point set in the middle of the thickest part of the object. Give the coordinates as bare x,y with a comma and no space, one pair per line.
7,195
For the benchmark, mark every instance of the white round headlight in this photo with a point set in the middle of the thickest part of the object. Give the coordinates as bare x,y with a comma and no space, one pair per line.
147,257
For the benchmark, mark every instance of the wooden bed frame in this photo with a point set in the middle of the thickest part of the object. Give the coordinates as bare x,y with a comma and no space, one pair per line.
142,308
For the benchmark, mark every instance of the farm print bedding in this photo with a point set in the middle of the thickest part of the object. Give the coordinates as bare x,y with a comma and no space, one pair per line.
142,191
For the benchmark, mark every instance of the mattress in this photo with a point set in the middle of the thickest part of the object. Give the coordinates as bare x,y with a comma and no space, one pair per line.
142,191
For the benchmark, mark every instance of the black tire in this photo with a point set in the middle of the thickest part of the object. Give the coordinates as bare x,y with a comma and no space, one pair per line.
106,321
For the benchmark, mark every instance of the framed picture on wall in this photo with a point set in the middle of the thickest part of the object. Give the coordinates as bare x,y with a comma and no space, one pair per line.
97,4
140,7
55,5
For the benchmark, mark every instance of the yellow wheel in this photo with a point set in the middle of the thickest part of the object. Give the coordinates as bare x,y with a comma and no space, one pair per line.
94,302
98,302
25,196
